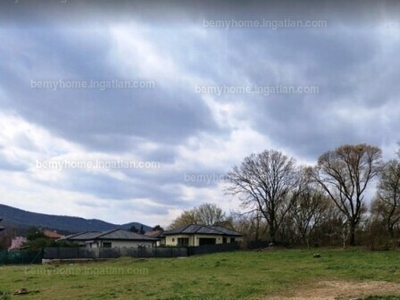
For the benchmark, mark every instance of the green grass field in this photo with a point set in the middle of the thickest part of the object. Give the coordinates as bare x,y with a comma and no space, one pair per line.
235,275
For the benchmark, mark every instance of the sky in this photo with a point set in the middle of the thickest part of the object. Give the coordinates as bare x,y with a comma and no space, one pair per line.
133,111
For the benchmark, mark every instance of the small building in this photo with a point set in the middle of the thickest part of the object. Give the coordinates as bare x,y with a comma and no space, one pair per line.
111,239
198,235
54,235
157,234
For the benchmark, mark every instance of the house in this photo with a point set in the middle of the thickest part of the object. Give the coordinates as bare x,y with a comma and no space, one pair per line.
52,234
198,235
157,234
111,239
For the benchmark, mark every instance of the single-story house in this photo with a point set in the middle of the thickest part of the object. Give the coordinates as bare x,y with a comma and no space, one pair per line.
157,234
52,234
111,239
198,235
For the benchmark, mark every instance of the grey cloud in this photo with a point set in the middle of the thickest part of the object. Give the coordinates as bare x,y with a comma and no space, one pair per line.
110,120
12,166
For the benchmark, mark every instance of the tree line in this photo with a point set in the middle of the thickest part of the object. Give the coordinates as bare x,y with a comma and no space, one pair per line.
328,204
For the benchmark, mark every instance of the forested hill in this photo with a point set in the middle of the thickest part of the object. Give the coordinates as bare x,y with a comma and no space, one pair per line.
23,219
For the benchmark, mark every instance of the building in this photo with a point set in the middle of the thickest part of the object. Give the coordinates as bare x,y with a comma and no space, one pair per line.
198,235
111,239
52,234
157,234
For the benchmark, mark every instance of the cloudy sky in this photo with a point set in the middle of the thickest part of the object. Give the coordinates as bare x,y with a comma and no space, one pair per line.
126,111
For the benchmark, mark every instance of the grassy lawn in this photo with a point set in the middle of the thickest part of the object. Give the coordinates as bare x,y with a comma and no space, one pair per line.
235,275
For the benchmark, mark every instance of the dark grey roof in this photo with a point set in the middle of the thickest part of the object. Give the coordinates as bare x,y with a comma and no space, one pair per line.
154,233
82,236
202,229
119,234
227,231
115,234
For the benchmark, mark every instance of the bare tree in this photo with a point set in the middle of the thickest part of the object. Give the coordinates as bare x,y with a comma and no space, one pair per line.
209,214
186,218
330,229
309,211
251,225
205,214
387,201
344,174
268,182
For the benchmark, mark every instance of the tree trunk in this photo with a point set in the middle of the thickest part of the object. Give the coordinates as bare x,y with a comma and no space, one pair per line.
272,233
352,234
391,231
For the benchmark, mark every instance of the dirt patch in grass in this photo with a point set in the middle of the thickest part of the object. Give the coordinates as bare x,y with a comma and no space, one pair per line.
343,290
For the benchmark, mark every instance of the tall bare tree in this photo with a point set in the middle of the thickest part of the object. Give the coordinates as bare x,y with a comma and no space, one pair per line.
344,174
387,201
268,182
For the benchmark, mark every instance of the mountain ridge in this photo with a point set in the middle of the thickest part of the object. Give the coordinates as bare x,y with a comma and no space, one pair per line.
16,217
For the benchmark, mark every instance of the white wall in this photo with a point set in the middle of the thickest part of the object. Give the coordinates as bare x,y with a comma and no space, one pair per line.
130,244
194,239
127,244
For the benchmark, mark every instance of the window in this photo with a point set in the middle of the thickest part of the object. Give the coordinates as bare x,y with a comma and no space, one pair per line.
184,242
106,244
207,241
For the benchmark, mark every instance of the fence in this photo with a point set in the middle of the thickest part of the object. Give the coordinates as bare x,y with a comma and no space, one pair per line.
204,249
16,257
96,253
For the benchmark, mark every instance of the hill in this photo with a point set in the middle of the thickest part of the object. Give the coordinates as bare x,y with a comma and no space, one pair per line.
23,219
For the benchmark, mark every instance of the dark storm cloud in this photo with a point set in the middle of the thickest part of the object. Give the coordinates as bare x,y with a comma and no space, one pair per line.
179,13
112,119
310,124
